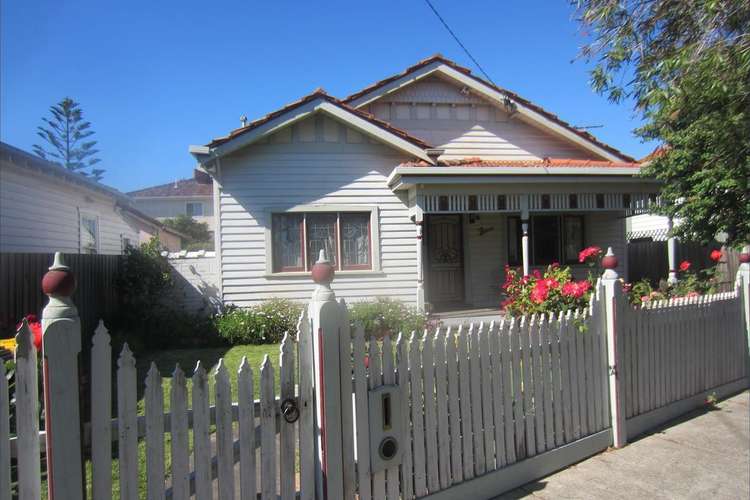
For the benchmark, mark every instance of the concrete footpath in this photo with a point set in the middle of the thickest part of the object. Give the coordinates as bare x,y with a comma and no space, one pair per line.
704,454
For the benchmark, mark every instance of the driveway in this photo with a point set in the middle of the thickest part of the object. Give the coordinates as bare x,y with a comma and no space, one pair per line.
704,454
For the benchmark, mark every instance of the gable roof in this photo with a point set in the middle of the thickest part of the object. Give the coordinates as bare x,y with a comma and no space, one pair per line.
533,111
318,100
182,187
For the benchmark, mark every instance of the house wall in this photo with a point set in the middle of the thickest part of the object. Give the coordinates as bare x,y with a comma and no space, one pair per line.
316,161
655,225
167,208
40,214
467,125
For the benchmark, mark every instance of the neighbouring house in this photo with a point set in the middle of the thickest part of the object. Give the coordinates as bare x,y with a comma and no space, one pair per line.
191,197
45,208
420,187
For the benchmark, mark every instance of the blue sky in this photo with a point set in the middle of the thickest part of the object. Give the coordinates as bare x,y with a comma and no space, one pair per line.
155,77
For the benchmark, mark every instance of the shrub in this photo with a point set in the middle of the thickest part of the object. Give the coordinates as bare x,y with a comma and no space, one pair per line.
144,318
385,315
265,323
551,292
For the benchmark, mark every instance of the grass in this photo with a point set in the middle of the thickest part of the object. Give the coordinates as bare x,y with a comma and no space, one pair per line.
165,361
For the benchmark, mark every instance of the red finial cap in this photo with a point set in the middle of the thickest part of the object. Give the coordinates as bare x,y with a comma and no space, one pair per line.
59,281
609,261
744,257
323,271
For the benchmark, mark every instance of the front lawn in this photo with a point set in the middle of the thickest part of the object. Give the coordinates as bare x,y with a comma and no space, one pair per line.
166,361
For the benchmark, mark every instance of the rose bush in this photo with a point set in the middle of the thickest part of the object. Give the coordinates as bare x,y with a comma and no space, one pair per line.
553,291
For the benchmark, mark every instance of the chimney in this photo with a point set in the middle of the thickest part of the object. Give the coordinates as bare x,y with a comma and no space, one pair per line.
434,153
243,121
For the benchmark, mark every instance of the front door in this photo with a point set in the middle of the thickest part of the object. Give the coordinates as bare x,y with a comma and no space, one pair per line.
445,260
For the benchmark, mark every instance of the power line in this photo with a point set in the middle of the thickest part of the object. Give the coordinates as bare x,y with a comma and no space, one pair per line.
455,37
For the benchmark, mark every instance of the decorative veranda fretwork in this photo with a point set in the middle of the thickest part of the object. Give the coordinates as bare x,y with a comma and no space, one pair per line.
634,203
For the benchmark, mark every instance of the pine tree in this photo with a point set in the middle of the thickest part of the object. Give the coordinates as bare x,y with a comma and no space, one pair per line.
66,135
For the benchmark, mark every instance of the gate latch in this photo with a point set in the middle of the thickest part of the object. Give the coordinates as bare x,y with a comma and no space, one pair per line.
289,410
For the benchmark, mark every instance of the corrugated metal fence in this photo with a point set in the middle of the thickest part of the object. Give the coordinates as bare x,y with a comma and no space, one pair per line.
21,287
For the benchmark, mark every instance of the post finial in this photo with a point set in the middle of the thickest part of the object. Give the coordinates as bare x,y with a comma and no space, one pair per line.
322,274
745,255
58,284
609,263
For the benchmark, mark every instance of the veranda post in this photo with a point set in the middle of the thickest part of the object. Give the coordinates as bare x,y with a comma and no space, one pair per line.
61,345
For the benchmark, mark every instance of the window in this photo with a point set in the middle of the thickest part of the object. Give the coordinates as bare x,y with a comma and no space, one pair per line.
89,229
194,209
125,243
297,239
552,238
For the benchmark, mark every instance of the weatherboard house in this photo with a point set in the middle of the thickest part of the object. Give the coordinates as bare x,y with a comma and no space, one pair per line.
421,187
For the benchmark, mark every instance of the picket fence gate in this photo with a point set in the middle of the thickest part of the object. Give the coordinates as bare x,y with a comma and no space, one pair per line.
476,410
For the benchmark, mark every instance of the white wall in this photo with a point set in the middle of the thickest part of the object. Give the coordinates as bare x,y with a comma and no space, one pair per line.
316,161
486,255
167,208
196,281
468,126
40,214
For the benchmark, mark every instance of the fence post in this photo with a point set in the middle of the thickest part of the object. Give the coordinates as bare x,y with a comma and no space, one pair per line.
327,319
612,297
671,252
61,344
743,280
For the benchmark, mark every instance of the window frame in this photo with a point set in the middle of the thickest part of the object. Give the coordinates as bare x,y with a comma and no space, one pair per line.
97,237
199,203
560,237
374,266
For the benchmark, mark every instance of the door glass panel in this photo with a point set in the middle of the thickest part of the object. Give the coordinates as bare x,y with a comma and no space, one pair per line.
546,240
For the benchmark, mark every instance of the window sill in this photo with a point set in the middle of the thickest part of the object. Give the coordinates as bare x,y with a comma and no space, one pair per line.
303,274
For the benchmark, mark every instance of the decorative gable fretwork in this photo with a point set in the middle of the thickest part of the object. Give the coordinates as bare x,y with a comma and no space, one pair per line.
633,203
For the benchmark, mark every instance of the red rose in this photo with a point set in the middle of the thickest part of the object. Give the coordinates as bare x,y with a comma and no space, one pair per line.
588,253
535,273
36,329
569,289
684,265
539,294
716,255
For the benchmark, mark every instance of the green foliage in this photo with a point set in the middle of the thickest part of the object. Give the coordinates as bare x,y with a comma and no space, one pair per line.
144,318
66,135
265,323
686,65
198,236
387,316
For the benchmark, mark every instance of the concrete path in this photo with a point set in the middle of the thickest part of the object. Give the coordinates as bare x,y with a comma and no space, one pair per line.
705,454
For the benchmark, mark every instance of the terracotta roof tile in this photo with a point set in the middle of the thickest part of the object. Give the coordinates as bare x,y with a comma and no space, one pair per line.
508,93
546,162
320,93
183,187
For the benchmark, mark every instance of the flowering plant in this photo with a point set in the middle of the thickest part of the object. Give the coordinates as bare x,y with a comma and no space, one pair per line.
554,290
691,283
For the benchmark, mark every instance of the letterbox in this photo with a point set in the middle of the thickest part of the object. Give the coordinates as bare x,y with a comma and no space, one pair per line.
386,427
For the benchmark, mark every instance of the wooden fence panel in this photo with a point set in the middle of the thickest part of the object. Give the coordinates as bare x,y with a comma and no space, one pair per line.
267,431
127,425
154,402
101,414
21,292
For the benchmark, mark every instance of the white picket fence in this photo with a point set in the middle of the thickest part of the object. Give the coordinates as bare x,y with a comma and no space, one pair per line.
678,351
483,408
198,455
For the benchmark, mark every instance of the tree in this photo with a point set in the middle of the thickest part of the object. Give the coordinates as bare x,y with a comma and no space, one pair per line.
65,134
199,237
686,66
